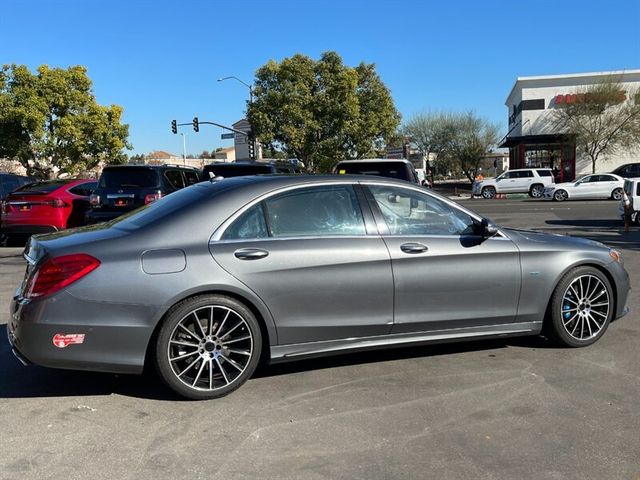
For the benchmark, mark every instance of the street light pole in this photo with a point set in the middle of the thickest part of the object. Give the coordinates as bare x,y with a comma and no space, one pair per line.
232,77
184,148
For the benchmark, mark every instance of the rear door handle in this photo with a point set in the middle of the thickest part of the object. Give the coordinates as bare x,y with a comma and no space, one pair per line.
413,248
250,253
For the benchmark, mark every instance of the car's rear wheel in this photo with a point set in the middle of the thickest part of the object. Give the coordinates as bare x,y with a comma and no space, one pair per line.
616,194
536,191
560,195
488,192
581,307
208,346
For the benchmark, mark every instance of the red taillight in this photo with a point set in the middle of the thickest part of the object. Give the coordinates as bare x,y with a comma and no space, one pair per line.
94,199
57,203
59,272
152,197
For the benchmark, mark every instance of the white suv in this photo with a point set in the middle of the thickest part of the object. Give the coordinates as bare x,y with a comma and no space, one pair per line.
632,189
523,180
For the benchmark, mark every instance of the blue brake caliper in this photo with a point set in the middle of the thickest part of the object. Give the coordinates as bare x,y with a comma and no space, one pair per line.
567,306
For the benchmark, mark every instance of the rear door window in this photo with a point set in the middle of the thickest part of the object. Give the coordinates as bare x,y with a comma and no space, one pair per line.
129,177
83,190
250,225
175,178
315,211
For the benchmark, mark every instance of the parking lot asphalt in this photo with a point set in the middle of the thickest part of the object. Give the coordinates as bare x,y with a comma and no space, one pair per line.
502,409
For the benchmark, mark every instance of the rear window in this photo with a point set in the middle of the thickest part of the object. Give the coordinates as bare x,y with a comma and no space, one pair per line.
379,169
235,170
160,209
545,173
129,177
42,187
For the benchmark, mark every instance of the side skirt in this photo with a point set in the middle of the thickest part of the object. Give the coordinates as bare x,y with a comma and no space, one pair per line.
286,353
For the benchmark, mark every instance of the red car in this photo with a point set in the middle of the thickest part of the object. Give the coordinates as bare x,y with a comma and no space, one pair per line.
46,206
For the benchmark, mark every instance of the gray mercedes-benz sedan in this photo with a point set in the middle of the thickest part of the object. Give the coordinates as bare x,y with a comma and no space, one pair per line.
215,277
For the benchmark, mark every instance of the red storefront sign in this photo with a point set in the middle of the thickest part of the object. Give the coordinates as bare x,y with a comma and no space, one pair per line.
570,98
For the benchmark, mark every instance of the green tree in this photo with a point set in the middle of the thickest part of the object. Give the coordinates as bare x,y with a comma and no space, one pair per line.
52,124
321,111
603,118
430,132
466,139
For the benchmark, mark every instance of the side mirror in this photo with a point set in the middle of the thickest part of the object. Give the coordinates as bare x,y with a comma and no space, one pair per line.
485,228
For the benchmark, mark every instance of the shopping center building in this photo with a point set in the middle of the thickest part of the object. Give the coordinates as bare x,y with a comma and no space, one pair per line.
533,139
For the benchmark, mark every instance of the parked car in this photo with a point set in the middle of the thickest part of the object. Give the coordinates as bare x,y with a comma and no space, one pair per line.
632,189
46,206
237,169
384,167
297,267
600,185
9,182
628,170
122,188
522,180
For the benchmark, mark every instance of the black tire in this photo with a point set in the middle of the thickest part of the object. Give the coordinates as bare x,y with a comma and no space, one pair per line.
560,324
536,191
560,195
616,194
207,359
488,192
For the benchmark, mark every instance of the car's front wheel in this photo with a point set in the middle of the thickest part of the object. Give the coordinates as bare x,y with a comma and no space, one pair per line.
616,194
208,346
581,307
560,195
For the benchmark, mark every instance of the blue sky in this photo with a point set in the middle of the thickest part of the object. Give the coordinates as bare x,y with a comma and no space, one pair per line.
160,60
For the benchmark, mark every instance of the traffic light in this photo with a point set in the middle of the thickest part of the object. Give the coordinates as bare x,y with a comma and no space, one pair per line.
196,126
174,126
252,148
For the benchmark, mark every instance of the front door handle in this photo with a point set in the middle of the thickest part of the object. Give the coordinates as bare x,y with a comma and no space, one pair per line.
250,253
413,248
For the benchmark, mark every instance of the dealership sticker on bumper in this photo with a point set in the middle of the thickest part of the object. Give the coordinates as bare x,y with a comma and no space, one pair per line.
61,340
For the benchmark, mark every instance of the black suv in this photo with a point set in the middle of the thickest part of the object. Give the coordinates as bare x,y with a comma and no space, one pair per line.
383,167
233,169
628,170
9,182
240,169
122,188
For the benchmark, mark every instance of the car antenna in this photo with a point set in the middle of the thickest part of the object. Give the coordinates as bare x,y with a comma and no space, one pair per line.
214,178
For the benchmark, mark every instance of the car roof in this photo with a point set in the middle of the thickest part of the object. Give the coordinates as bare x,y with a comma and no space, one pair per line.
276,181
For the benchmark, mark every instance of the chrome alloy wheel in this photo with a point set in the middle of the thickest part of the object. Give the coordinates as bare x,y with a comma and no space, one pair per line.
210,347
585,307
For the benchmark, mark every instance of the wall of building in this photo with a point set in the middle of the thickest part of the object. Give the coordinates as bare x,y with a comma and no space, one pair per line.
541,122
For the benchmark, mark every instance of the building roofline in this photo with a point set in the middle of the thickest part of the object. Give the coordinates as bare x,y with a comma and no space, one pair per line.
569,75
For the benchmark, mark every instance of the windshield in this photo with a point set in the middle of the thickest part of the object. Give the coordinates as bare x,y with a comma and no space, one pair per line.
235,170
379,169
129,177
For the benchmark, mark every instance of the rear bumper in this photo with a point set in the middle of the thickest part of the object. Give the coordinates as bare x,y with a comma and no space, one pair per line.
26,229
115,339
